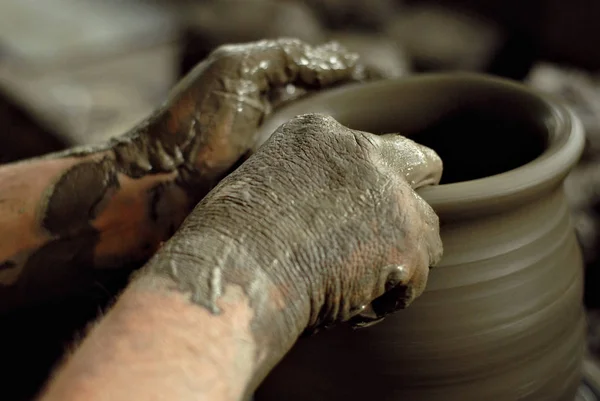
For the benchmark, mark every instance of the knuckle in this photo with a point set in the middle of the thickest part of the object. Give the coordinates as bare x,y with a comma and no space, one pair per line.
433,246
315,128
225,52
396,275
333,46
429,215
366,143
223,60
289,42
436,251
313,119
433,218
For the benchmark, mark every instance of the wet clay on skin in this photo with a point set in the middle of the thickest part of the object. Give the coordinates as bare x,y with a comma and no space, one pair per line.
502,317
303,261
179,153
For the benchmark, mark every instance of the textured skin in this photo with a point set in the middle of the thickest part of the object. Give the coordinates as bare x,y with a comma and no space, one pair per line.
323,218
224,100
111,206
320,222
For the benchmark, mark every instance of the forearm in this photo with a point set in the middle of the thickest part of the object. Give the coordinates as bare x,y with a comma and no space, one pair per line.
64,216
158,344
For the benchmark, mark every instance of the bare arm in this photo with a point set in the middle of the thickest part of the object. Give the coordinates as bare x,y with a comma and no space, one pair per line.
156,344
320,226
65,216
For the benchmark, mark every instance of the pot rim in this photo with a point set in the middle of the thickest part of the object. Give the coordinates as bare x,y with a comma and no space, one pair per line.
565,142
564,148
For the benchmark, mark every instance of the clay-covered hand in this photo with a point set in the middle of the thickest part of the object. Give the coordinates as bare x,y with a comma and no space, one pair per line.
111,205
212,115
323,219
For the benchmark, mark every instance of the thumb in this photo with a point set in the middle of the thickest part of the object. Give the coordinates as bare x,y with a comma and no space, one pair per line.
420,165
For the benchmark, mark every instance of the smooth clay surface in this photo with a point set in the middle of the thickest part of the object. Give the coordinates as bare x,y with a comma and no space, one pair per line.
502,316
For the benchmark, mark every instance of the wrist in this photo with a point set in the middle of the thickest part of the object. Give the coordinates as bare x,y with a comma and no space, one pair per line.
154,344
215,272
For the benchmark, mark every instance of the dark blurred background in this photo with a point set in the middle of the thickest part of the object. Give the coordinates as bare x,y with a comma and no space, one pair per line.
80,71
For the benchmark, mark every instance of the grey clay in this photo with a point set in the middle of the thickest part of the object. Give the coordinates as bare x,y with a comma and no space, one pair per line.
502,317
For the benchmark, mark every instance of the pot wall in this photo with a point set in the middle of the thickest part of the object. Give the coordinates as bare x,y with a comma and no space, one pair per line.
501,319
502,316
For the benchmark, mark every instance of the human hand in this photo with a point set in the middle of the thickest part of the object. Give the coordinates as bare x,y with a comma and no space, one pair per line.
211,118
325,216
110,206
320,222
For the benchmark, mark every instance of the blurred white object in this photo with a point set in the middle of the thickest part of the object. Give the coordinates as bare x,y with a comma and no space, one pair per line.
50,30
579,90
438,38
88,69
237,21
355,14
379,52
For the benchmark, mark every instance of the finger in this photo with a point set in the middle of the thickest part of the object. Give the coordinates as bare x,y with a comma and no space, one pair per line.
400,292
275,63
417,284
430,231
322,66
401,295
420,165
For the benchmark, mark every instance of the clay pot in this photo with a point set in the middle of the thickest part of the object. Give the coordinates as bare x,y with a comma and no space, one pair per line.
502,316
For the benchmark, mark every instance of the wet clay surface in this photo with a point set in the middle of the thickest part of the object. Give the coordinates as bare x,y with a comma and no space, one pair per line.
502,314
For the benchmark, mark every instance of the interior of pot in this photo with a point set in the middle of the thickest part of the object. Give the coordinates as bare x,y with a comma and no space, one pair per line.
493,135
478,130
476,142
